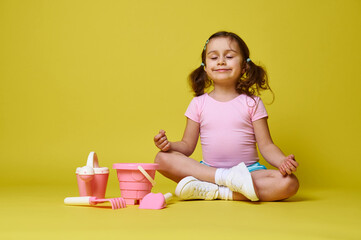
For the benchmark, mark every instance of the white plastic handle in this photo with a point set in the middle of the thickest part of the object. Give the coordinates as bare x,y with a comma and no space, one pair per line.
77,201
151,180
168,196
92,160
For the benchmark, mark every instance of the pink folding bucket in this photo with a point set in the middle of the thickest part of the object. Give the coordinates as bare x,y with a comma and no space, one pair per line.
92,179
133,184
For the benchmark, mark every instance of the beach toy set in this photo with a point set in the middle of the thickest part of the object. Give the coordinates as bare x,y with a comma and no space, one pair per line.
135,182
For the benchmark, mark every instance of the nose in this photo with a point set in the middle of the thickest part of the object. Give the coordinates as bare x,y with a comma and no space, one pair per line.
221,61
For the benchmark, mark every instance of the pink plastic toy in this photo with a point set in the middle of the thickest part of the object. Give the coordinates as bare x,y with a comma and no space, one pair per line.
155,201
90,201
92,179
133,184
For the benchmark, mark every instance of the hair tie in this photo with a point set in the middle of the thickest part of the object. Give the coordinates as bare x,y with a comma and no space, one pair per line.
248,60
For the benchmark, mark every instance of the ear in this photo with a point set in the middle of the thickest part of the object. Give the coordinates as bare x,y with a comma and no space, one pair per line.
244,67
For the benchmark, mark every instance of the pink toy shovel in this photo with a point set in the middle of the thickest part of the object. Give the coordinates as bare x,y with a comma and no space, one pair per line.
155,201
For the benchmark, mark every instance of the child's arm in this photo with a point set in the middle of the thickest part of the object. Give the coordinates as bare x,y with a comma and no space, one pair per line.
271,153
186,145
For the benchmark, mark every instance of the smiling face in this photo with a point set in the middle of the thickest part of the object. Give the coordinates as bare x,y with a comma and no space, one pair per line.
223,61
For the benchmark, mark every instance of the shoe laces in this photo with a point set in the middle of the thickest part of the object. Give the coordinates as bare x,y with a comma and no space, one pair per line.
201,190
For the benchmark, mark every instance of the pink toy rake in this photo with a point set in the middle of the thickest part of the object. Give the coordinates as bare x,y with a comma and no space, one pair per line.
91,201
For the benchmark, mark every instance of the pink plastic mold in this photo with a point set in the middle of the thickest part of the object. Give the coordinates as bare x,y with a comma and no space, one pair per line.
132,183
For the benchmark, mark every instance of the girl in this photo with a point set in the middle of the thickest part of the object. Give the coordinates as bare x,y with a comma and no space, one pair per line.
230,121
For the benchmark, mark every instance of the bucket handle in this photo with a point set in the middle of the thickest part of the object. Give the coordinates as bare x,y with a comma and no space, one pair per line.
92,160
151,180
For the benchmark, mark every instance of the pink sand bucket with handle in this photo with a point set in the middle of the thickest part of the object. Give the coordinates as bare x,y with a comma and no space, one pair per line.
135,180
92,179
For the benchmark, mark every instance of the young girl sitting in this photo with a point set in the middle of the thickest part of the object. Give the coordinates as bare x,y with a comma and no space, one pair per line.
230,120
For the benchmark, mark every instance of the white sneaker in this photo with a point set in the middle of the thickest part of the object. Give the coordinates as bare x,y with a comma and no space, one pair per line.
192,188
239,180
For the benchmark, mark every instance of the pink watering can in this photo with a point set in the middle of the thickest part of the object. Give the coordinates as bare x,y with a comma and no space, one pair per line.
92,179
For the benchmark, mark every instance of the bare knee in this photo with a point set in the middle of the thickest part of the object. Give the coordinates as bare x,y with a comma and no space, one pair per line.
162,158
167,165
290,185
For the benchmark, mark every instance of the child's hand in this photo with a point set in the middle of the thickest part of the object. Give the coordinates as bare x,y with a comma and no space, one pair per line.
289,165
161,141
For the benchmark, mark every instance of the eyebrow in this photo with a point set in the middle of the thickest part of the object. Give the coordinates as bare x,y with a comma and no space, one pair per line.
228,50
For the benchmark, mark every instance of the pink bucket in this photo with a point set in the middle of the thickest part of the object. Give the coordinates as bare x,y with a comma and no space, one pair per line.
132,182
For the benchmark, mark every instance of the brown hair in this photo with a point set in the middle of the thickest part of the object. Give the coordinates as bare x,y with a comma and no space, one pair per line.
251,83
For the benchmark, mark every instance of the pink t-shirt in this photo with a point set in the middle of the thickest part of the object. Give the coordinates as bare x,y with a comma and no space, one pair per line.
226,129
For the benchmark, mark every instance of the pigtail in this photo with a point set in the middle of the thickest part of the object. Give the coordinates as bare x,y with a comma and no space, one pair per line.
199,81
253,81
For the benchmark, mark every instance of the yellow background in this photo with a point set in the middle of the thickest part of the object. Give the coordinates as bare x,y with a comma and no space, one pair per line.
105,76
